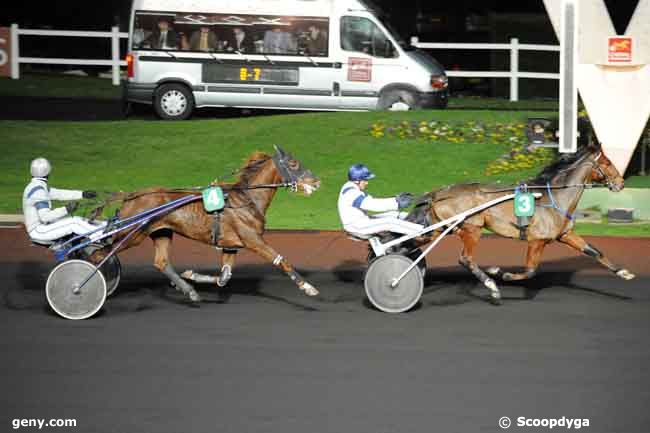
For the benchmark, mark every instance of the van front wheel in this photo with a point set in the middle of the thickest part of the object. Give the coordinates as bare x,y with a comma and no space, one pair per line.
173,102
397,100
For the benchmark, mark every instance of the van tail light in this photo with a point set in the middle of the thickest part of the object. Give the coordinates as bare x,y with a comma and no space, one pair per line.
129,65
439,82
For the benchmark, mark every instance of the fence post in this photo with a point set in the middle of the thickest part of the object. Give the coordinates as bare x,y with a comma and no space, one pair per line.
115,47
645,144
514,69
15,53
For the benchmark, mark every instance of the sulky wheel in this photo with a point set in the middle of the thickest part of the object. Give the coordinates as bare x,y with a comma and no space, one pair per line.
66,294
413,255
379,277
111,269
422,264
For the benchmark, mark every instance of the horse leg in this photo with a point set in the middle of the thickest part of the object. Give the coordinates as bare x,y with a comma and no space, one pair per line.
227,262
261,248
574,241
533,256
470,236
162,244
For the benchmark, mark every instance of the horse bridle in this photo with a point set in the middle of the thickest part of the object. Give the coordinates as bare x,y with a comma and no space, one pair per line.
600,171
289,179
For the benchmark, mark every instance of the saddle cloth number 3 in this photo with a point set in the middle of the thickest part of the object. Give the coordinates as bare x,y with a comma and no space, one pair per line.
524,205
213,199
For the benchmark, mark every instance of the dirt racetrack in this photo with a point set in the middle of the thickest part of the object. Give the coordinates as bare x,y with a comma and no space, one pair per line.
262,357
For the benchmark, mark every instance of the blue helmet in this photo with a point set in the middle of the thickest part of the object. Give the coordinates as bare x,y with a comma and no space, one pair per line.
360,172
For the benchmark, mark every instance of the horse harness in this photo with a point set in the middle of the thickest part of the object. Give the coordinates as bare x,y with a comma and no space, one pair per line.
289,180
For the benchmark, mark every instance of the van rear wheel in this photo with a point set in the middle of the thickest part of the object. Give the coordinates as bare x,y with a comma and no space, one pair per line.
173,102
398,100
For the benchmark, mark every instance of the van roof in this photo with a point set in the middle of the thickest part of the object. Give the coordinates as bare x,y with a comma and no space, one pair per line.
262,7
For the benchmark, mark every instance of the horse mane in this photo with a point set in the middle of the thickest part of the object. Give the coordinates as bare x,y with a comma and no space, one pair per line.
251,166
560,165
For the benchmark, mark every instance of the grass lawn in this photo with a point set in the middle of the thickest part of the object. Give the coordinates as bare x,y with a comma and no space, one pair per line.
637,182
629,230
45,85
128,155
64,86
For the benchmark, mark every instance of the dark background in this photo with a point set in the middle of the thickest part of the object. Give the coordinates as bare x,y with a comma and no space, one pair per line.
78,14
485,21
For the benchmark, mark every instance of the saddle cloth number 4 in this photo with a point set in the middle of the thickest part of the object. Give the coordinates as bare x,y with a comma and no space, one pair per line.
213,199
524,205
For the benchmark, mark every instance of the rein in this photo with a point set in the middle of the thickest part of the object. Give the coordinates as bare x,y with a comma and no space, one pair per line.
547,187
280,165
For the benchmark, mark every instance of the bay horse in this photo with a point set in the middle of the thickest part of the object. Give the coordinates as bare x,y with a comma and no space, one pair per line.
241,223
561,184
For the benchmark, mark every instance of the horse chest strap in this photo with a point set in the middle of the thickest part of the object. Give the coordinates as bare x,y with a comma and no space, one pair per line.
216,227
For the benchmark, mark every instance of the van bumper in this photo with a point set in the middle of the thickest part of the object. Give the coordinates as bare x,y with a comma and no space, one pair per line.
433,99
136,92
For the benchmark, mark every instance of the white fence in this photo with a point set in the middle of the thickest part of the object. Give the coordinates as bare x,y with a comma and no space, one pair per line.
514,74
115,62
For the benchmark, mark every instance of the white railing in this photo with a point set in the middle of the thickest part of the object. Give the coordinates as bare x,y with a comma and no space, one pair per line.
514,74
115,62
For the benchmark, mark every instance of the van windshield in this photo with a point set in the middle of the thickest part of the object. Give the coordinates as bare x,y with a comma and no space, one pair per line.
383,18
219,33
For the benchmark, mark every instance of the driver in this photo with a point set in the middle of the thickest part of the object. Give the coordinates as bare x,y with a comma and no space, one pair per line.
45,225
354,204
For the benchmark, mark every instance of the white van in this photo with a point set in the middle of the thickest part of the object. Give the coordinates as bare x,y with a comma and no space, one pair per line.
280,54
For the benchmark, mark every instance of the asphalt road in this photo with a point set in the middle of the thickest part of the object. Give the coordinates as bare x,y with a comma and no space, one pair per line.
262,357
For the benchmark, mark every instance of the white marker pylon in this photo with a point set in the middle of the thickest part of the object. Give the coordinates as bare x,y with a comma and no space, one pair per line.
616,92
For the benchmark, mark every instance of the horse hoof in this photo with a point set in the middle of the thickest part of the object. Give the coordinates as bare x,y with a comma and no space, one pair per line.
194,297
625,274
225,276
507,276
490,284
495,294
493,271
188,275
309,289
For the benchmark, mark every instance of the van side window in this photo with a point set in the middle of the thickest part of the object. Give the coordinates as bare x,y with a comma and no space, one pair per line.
362,35
227,33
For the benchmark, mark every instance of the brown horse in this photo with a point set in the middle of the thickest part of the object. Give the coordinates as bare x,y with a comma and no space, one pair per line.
562,184
241,223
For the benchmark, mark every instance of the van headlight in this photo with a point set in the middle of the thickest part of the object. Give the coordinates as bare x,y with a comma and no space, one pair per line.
439,82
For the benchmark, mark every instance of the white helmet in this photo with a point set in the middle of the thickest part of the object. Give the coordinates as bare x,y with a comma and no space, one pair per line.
41,167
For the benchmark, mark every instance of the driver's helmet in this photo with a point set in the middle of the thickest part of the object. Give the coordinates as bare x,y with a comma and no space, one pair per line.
360,172
40,167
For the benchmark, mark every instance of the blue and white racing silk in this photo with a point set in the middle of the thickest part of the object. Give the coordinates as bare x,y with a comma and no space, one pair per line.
46,225
354,205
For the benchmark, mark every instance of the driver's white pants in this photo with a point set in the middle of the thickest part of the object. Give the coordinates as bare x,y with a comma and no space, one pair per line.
47,233
384,222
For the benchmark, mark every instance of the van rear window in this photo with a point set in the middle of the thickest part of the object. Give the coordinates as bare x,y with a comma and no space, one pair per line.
220,33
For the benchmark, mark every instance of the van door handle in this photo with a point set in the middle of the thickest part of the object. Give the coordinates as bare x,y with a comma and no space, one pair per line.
337,65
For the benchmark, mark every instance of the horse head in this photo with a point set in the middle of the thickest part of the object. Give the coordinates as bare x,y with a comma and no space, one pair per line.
294,172
604,172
